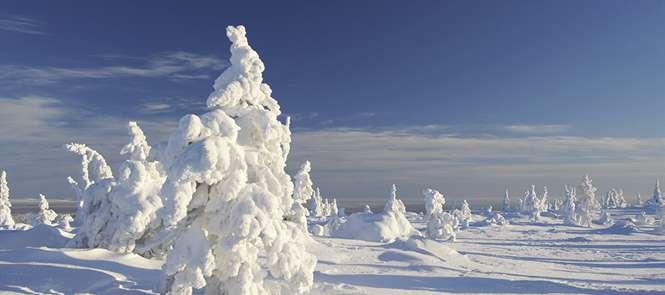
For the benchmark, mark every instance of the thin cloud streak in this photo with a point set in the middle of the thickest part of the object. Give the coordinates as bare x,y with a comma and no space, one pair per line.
173,65
23,25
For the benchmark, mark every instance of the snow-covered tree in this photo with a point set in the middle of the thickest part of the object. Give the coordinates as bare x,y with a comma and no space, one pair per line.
45,214
135,197
316,205
506,201
442,226
605,218
334,210
587,203
226,193
367,209
6,219
638,200
394,204
614,199
567,210
532,205
657,201
434,202
302,193
116,213
463,214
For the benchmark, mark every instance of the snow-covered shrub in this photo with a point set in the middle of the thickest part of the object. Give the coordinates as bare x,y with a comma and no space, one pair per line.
442,226
644,219
434,202
506,201
45,215
226,193
587,203
495,218
567,209
6,220
116,213
64,222
657,201
380,227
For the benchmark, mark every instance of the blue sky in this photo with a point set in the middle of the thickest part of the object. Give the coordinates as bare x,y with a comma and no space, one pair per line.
464,96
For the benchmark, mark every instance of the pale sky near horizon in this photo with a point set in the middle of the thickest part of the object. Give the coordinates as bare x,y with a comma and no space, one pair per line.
467,97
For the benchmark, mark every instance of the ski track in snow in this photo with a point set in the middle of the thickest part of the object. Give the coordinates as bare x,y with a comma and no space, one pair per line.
521,258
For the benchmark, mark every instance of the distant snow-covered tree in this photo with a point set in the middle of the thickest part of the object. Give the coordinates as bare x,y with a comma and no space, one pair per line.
45,215
614,199
6,219
434,202
657,201
316,205
226,193
302,193
367,209
605,218
567,209
506,201
587,203
533,205
638,200
394,204
65,221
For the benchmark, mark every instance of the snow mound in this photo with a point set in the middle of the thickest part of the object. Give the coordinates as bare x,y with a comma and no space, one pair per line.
380,227
41,235
427,247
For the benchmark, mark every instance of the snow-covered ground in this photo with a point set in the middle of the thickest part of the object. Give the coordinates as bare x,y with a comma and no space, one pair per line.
523,257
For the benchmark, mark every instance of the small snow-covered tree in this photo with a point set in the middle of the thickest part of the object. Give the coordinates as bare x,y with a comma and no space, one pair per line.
567,209
334,210
116,213
657,201
434,202
586,202
442,226
506,201
605,217
463,214
533,205
638,200
6,219
45,214
302,193
394,204
316,205
227,193
614,199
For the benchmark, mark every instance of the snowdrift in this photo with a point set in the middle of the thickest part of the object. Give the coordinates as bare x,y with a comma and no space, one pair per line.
41,235
380,227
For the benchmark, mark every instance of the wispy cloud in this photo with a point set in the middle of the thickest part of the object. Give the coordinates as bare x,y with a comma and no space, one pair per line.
537,129
23,25
348,118
168,105
173,65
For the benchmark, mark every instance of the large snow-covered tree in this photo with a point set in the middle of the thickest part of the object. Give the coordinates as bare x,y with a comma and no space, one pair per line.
434,202
226,193
586,204
6,219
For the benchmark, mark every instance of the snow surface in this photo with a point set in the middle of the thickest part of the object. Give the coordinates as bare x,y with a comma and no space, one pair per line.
521,258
